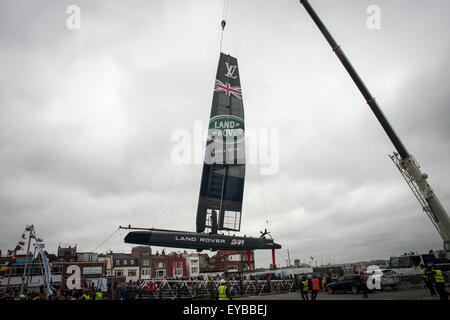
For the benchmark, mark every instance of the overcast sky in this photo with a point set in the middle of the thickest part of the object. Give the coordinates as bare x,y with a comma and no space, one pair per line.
87,116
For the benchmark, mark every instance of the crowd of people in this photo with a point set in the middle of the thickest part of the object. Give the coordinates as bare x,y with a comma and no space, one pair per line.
115,290
60,293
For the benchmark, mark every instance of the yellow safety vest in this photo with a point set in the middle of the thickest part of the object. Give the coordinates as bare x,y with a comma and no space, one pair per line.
305,285
85,297
423,273
98,296
223,293
36,298
438,276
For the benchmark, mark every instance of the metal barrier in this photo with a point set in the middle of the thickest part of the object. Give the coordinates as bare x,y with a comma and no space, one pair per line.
206,289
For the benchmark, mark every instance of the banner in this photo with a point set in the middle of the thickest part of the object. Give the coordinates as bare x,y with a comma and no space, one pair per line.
46,269
102,285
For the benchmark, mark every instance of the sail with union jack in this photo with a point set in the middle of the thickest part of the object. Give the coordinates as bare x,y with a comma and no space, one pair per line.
228,89
222,185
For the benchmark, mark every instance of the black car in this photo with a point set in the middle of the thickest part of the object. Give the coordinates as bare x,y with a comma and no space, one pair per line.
350,283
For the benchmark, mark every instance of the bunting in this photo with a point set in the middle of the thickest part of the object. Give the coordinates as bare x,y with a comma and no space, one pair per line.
12,254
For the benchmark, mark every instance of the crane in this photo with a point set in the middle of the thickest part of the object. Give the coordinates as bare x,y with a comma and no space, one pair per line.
405,162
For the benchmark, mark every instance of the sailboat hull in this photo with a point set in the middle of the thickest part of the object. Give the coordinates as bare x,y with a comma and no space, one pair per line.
199,241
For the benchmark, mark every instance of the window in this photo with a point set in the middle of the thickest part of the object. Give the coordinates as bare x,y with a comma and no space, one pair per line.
145,272
416,261
145,262
132,262
180,264
125,262
145,253
132,273
235,257
118,273
117,262
178,272
232,269
161,265
400,262
175,265
194,270
161,273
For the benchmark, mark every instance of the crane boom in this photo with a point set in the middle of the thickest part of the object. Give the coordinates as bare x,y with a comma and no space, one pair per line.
403,159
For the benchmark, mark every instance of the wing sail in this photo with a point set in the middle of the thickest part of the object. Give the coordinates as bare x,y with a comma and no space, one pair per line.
222,184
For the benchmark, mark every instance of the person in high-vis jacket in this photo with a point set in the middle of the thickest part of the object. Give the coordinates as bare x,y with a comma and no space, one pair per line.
98,295
315,288
426,276
323,282
439,282
223,293
85,296
304,288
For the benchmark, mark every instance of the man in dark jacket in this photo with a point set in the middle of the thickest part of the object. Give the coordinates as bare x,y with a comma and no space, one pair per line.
364,288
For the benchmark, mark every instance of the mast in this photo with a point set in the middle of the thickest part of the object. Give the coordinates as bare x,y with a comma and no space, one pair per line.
223,175
32,267
26,259
405,161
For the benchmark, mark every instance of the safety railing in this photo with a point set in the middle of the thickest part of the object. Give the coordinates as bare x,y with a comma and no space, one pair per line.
206,289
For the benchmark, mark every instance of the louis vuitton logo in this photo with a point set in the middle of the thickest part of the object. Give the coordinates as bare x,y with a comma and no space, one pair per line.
230,71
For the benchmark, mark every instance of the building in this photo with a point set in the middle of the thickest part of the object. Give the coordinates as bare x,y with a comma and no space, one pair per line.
233,261
108,259
125,265
87,271
87,256
67,253
144,256
176,265
192,264
159,265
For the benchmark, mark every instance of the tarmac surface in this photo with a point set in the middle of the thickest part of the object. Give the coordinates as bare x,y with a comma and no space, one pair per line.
401,294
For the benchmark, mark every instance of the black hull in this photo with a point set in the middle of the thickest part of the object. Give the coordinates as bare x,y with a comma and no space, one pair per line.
199,241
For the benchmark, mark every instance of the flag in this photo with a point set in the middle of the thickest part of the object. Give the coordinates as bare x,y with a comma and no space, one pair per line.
42,245
22,243
46,269
236,91
4,269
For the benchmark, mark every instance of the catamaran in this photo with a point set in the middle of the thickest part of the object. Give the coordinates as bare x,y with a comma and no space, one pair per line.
222,185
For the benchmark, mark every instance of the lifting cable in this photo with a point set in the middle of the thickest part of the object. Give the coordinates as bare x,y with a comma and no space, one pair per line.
223,23
226,5
106,240
263,198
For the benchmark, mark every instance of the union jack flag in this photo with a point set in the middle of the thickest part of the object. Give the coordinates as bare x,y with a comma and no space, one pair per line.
235,91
